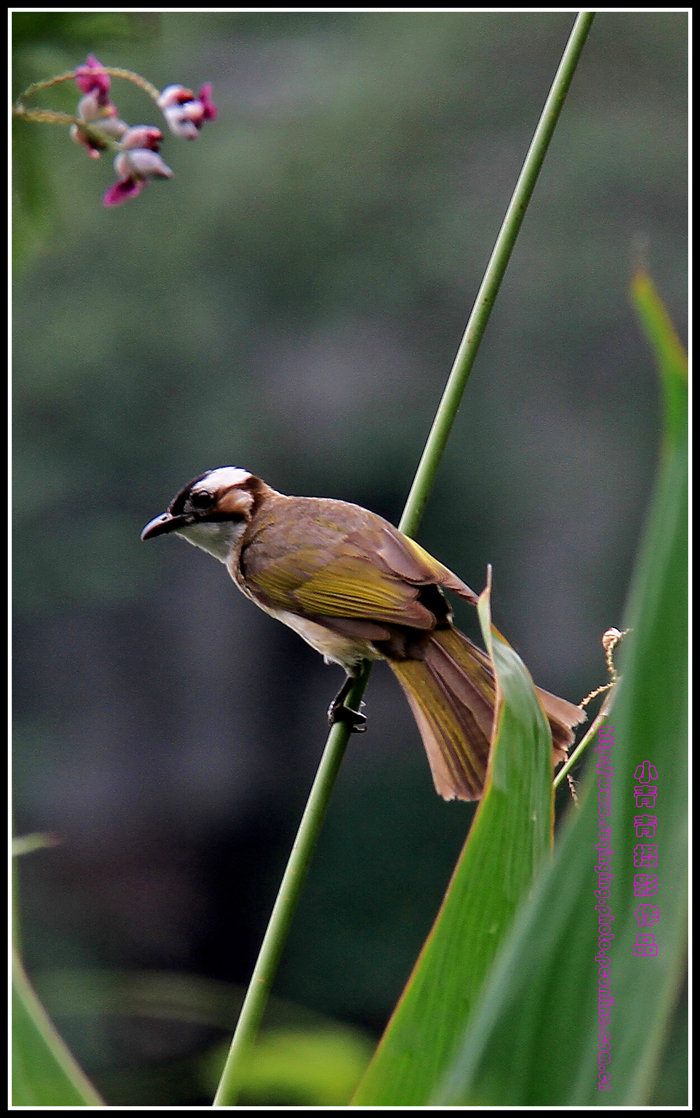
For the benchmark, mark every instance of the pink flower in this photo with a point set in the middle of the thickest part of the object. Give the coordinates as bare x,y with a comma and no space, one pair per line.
185,114
95,108
92,77
98,127
142,136
103,118
136,163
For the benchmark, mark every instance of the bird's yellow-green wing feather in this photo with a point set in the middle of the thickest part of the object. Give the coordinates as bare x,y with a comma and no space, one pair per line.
371,571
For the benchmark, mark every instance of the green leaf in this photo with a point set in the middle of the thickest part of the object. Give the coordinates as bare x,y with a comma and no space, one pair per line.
533,1040
670,357
509,838
44,1073
302,1066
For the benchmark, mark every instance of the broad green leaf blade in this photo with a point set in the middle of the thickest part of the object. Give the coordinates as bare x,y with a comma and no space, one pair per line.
534,1040
510,836
44,1073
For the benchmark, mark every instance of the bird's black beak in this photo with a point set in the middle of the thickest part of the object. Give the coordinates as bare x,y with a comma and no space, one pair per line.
166,522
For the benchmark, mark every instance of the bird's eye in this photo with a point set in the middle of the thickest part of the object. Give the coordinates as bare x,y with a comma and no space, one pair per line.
201,499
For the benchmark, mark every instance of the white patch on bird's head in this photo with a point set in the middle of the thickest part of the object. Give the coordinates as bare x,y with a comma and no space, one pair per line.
221,478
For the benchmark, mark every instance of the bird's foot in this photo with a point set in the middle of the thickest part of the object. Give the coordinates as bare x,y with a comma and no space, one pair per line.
338,712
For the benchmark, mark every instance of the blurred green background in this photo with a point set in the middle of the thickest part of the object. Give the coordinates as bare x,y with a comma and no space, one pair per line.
291,302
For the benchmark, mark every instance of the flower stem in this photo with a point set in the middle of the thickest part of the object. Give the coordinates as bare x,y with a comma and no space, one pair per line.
36,87
44,116
136,79
69,76
54,116
302,851
602,716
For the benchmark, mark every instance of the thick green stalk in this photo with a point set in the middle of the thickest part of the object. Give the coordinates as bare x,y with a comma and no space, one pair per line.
285,904
283,911
495,270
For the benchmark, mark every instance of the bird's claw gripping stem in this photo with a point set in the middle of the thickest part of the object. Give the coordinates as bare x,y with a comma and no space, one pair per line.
355,720
339,712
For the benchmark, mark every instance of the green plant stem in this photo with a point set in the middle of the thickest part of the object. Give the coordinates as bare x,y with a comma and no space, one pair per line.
600,719
495,270
283,911
285,904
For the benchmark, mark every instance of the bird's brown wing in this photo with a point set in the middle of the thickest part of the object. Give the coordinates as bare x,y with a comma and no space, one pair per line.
365,570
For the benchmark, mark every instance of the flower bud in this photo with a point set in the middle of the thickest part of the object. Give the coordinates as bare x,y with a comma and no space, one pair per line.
135,166
185,114
91,77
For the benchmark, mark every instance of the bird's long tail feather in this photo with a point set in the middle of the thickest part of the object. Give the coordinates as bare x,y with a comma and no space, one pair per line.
452,693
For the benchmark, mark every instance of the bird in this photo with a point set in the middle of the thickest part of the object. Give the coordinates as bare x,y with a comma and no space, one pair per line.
357,589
